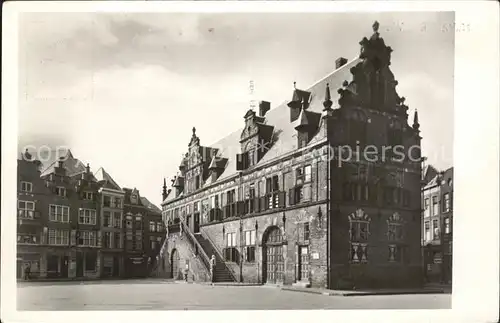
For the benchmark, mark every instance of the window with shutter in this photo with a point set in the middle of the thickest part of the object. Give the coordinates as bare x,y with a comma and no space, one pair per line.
291,196
281,199
263,203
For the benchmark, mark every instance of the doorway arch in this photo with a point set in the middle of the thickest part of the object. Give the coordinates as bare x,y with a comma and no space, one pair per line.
273,267
174,264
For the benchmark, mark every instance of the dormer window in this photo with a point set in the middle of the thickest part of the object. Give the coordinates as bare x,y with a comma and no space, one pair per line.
88,196
133,198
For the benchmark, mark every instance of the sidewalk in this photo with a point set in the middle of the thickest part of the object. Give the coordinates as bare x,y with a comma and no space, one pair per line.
330,292
86,280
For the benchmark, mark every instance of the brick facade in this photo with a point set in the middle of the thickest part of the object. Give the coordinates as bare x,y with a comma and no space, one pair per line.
62,231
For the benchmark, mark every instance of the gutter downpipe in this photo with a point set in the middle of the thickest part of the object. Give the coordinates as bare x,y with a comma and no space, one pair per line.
328,199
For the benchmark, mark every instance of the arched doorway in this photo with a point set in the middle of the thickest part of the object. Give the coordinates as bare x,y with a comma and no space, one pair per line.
174,263
274,264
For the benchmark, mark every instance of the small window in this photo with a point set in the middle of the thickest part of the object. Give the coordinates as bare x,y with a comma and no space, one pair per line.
61,191
447,226
427,230
231,239
446,204
435,205
106,201
152,226
117,203
88,196
303,175
26,187
306,231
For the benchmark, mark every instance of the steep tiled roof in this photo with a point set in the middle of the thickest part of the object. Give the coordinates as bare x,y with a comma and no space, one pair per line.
73,165
433,182
150,205
102,175
279,117
284,136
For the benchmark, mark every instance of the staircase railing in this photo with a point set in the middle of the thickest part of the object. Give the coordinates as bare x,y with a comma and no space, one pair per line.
198,249
219,254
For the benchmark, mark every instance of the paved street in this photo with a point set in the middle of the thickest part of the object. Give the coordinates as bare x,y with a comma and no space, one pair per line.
163,295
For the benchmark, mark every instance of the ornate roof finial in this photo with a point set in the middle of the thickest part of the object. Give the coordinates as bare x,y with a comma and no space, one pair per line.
194,131
88,168
416,125
328,98
294,85
164,182
375,26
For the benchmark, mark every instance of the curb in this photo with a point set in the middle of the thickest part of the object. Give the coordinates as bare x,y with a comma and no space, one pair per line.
349,293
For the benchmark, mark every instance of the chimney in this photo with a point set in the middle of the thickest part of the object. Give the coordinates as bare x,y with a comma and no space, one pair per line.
341,61
264,106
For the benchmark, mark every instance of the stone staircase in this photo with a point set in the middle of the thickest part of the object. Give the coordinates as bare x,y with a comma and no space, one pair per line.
222,272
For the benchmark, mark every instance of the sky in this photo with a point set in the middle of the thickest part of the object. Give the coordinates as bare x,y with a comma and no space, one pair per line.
123,91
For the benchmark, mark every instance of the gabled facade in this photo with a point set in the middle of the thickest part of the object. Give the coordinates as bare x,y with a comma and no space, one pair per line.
437,227
70,221
291,207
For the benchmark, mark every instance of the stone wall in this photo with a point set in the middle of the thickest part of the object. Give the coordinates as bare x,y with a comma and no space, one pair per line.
293,219
197,270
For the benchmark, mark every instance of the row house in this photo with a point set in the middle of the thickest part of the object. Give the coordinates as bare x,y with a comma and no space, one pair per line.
437,223
144,233
294,197
70,221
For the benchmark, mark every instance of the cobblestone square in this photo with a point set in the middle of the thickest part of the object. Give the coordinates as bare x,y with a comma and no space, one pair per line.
161,295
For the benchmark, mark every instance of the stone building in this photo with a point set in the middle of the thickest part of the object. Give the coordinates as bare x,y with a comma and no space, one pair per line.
281,202
437,227
70,221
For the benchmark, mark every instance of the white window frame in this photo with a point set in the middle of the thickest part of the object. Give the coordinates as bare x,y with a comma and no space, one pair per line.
25,185
60,189
447,225
427,234
59,216
114,204
152,226
250,237
88,195
89,238
435,206
427,207
110,222
446,202
119,220
58,237
88,214
26,212
231,239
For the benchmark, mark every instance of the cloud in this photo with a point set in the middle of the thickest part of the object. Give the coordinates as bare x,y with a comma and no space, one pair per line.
124,90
